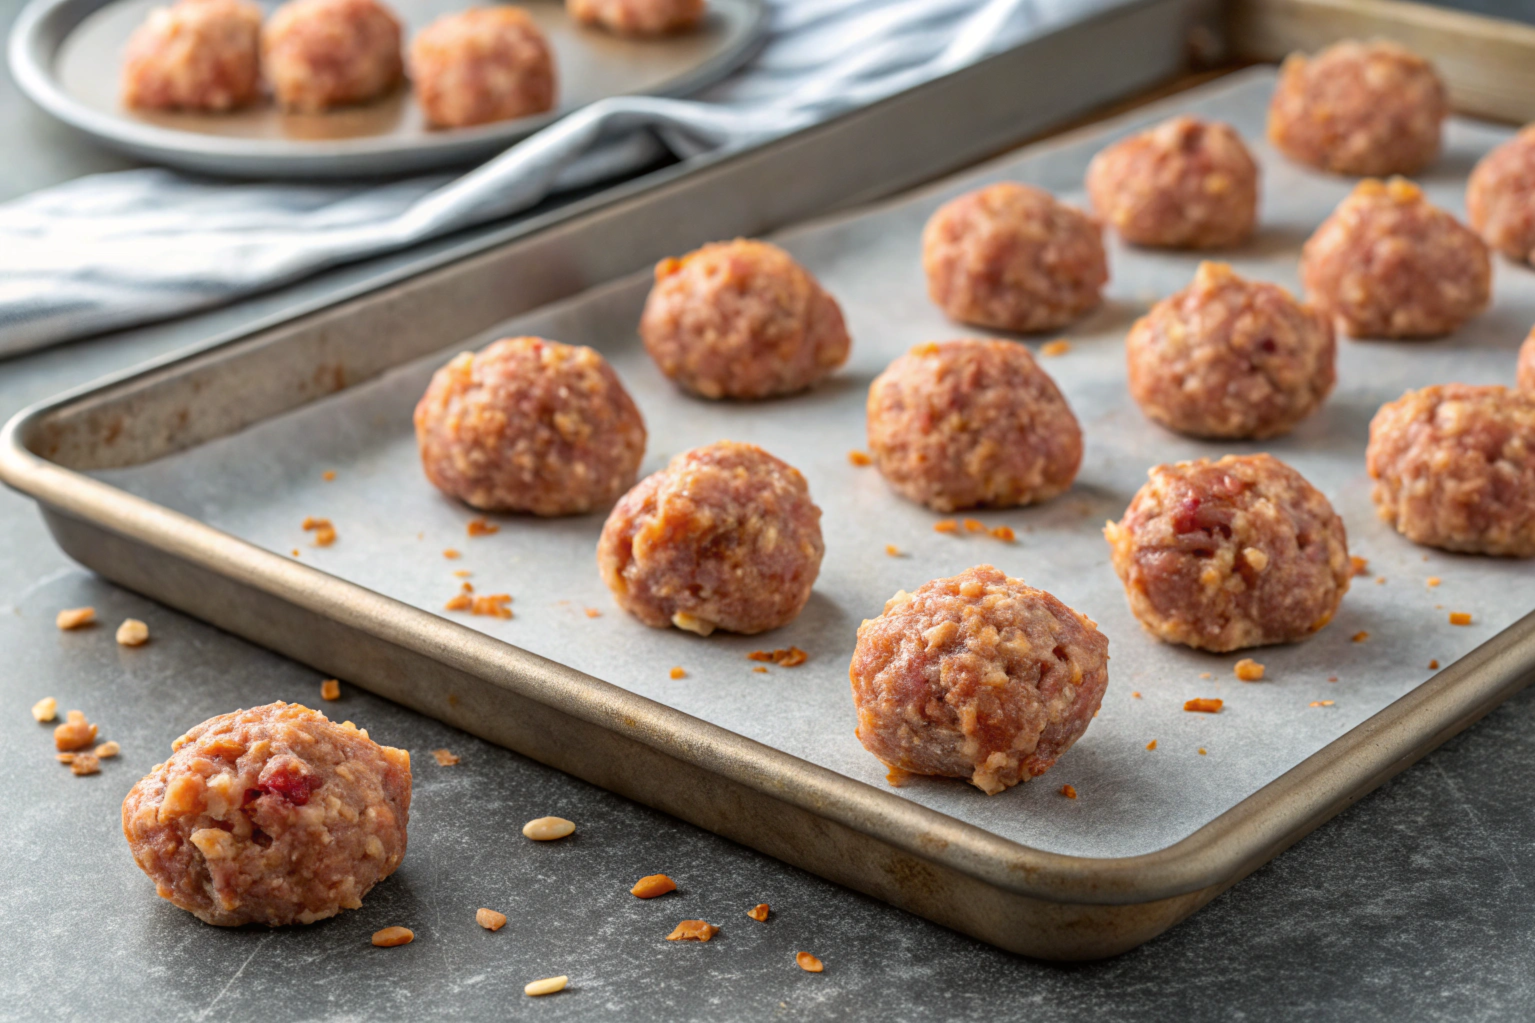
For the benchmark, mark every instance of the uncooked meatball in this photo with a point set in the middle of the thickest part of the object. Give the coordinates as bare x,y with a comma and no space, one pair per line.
1370,108
273,815
1500,197
1228,357
1388,263
481,65
320,54
1526,379
1236,553
638,17
1009,256
1185,184
742,319
195,55
725,537
977,677
530,425
1454,467
961,424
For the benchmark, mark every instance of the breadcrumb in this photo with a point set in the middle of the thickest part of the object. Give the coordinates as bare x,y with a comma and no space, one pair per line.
1460,618
492,605
1432,581
975,526
479,527
85,763
693,930
462,573
808,962
1358,566
1321,703
677,672
132,633
324,532
759,912
1361,636
445,758
1004,533
759,669
1152,744
1204,705
391,937
1248,670
1068,791
946,526
490,919
1135,694
895,777
1052,348
459,602
451,554
653,885
859,458
892,550
1434,664
329,475
330,689
75,733
107,750
45,710
75,618
1380,580
1205,674
1203,752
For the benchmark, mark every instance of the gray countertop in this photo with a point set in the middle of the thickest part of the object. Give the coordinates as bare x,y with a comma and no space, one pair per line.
1413,905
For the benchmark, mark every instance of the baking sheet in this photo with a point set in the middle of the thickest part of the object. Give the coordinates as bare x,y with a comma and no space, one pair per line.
393,527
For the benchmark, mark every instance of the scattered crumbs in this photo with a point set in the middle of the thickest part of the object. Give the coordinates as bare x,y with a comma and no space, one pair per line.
1204,705
492,605
445,758
1434,665
1068,791
1005,534
1460,618
330,689
107,750
451,554
84,763
547,986
1205,674
324,532
1380,580
653,885
463,573
466,587
479,527
329,475
74,734
1438,607
420,536
1135,694
1152,744
946,526
75,618
1432,581
548,829
897,776
858,458
295,552
1203,752
592,612
792,657
759,912
460,602
1321,703
892,550
490,919
760,670
45,710
1248,670
132,632
1332,678
1361,636
693,930
390,937
1358,566
677,672
975,526
1059,346
808,962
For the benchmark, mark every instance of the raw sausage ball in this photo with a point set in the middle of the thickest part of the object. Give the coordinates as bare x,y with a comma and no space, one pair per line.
1236,553
320,54
977,677
1526,378
742,319
272,815
1009,256
638,17
1185,184
1229,357
195,55
530,425
1388,263
725,537
481,65
1370,108
1500,197
1454,467
960,424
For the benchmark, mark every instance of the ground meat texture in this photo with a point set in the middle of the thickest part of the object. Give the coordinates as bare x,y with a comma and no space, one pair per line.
481,65
1387,263
272,815
742,319
1370,108
529,425
970,423
1185,184
1232,358
725,537
1527,364
1454,467
195,55
638,17
1236,553
1500,197
1010,257
320,54
977,677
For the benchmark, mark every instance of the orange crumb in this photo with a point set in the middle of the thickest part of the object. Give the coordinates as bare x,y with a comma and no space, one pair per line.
108,749
1068,792
1005,534
462,573
295,552
460,602
946,526
389,937
858,458
975,526
897,776
328,475
75,618
1059,347
75,733
1203,752
1460,618
1434,664
84,763
1358,566
1135,694
1332,678
45,710
808,962
1361,636
451,554
1248,670
760,655
1152,744
1380,580
492,605
651,886
1204,705
760,670
466,587
444,758
1205,674
693,930
759,912
479,527
1432,581
1321,703
324,532
677,672
490,919
892,550
330,689
592,612
790,658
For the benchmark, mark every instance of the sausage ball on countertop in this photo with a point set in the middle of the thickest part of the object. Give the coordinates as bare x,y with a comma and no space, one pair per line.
638,17
273,815
1500,197
1454,467
1526,378
195,55
320,54
1011,257
1185,184
1228,357
1388,263
725,537
481,65
1230,554
970,423
530,425
977,677
742,319
1370,108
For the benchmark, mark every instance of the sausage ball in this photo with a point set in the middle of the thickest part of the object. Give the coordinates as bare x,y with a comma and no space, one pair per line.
1230,554
977,677
1010,257
1454,467
529,425
961,424
742,319
273,815
481,65
1388,263
195,55
320,54
638,17
1185,184
1526,379
1370,108
725,537
1500,197
1232,358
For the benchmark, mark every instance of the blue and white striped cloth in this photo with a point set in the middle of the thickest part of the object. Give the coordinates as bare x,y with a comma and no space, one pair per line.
117,250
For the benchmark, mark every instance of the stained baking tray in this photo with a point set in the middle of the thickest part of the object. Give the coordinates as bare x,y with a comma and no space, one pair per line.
241,434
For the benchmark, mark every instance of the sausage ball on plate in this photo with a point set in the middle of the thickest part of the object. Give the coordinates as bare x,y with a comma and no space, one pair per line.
1500,197
742,319
638,17
1454,467
1229,357
481,65
1236,553
1370,108
1526,379
977,677
725,537
1185,184
320,54
195,55
1011,257
530,425
961,424
273,815
1388,263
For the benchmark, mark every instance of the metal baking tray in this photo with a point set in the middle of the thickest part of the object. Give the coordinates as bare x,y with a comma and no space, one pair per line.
262,399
